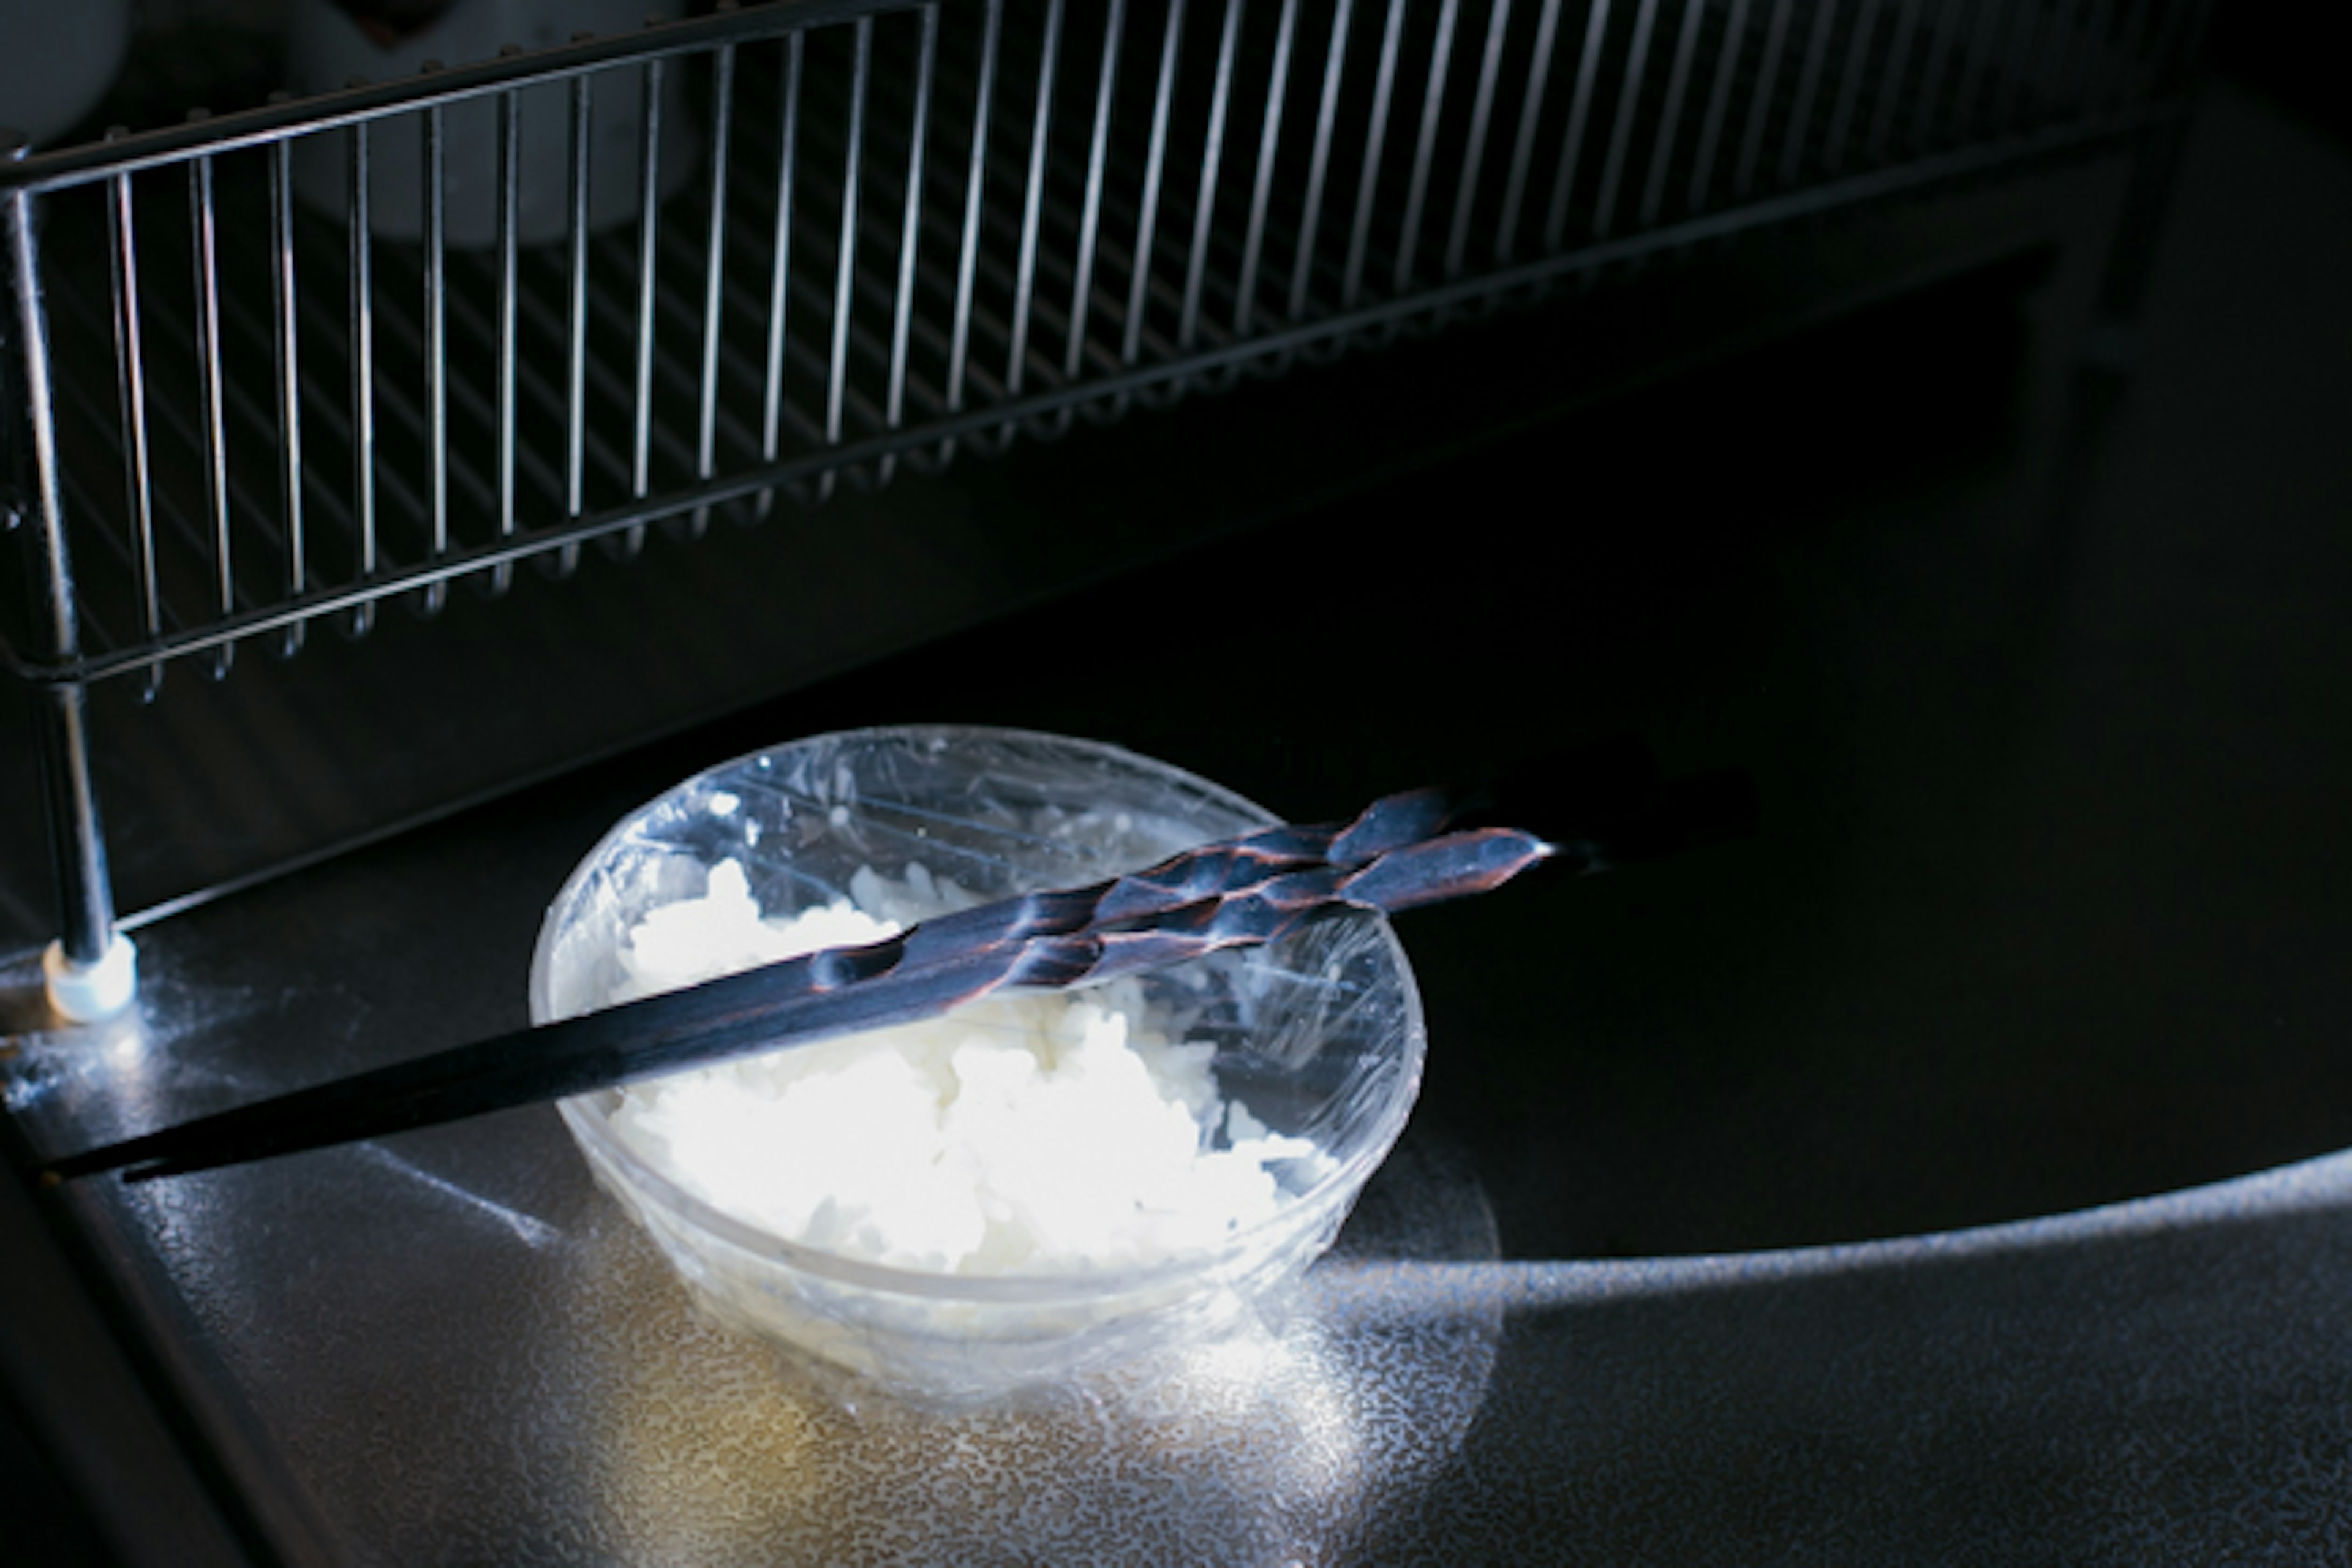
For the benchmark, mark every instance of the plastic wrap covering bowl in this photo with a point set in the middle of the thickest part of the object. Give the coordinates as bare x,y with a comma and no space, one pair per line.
1320,1036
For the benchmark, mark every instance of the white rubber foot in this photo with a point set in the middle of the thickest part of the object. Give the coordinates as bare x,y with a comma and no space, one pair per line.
85,992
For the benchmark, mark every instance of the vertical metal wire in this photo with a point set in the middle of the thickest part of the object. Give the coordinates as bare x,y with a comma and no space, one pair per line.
845,269
1269,139
1899,56
1857,63
975,185
1670,119
1760,108
2085,79
1808,82
285,311
780,269
902,315
1433,105
1718,104
362,319
1523,146
1375,136
56,625
576,356
436,343
641,446
1221,97
130,383
2115,43
1620,134
2075,82
2184,25
1977,63
1482,111
1319,166
508,146
2075,70
714,277
2136,65
1155,167
1033,201
1580,110
2016,66
1082,281
1931,79
76,837
209,396
2057,72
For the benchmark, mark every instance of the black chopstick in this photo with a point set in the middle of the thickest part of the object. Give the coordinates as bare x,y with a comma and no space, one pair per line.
1390,857
1222,895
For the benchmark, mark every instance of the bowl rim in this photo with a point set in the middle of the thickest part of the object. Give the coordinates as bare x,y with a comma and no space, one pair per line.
584,1115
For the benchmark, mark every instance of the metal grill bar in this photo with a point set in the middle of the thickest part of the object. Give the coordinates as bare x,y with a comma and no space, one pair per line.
1375,136
1621,135
1482,111
1759,105
1931,77
2179,33
579,172
2017,64
1033,195
1850,89
1580,108
867,450
1155,163
130,383
1045,286
1718,105
1654,192
1269,138
1975,70
437,341
1523,146
975,188
1433,104
1212,160
206,284
1808,83
2133,31
779,296
509,241
514,69
2077,51
1890,80
714,275
641,442
1319,168
362,319
1082,282
845,274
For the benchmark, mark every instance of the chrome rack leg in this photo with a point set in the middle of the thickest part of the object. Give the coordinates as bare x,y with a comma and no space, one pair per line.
91,969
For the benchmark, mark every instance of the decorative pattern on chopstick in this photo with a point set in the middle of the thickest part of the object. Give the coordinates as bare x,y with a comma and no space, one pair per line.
1241,893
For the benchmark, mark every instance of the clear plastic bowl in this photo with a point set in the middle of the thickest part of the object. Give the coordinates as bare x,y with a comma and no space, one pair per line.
1319,1035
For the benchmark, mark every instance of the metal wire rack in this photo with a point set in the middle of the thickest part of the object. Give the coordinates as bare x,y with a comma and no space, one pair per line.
280,367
